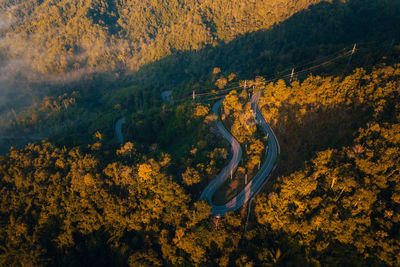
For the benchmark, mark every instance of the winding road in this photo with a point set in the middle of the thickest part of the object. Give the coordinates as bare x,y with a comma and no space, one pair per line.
258,180
118,130
209,191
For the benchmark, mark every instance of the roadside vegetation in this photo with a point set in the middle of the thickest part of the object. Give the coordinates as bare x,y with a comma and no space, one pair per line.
71,69
85,205
239,120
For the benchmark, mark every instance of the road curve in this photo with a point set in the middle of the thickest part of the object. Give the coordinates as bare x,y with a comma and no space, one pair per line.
259,179
118,130
209,191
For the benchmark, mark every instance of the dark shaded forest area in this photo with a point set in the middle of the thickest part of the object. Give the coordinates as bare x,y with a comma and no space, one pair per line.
80,198
267,44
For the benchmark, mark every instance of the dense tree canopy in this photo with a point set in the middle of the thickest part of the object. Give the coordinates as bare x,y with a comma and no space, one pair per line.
345,198
79,198
335,199
56,36
61,206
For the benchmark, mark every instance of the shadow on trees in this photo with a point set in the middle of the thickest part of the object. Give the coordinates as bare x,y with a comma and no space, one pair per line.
326,127
310,34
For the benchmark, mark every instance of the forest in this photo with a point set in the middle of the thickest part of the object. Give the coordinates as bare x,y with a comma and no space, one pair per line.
71,194
84,206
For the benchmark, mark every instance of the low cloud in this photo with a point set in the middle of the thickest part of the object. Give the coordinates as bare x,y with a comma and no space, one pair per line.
5,23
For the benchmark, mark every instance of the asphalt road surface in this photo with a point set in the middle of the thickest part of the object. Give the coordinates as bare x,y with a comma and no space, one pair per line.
258,180
209,191
118,130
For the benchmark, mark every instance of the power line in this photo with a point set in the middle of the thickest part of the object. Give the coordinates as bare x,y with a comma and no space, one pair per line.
316,60
344,52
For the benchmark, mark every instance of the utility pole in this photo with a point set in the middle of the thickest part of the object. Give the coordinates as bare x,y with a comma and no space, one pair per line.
15,114
194,95
352,52
354,49
291,75
217,220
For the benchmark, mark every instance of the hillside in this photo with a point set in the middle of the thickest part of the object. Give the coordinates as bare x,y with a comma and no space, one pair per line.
76,205
65,36
175,43
328,73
